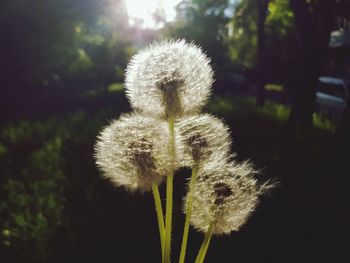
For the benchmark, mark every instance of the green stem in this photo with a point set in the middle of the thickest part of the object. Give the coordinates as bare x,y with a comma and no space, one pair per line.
169,194
188,215
205,245
160,218
168,218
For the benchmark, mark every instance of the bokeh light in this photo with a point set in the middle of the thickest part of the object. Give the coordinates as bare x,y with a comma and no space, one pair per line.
151,13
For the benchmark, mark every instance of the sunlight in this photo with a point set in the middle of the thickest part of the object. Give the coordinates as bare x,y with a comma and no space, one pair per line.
146,12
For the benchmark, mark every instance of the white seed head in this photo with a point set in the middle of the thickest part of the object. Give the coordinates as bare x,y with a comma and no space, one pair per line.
225,193
133,151
202,137
169,78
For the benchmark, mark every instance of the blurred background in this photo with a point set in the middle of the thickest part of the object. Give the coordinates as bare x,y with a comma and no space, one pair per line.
282,70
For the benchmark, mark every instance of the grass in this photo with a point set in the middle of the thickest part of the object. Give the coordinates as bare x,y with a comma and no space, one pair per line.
274,87
273,110
116,87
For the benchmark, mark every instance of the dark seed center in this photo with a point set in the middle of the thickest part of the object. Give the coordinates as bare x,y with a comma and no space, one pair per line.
221,191
169,85
196,143
142,155
170,89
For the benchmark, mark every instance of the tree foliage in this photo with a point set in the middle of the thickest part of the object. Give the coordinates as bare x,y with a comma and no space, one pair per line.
243,42
280,37
51,44
204,23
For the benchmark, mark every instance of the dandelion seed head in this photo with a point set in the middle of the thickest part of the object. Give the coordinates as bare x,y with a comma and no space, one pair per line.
169,78
132,152
225,193
202,136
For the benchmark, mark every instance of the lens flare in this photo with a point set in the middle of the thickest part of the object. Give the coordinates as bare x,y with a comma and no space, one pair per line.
146,12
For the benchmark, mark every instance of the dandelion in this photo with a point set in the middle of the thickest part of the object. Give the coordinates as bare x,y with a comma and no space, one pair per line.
225,194
201,137
169,78
132,152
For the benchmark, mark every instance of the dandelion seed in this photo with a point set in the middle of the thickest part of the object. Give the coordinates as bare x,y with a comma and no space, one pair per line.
202,136
169,78
132,152
225,194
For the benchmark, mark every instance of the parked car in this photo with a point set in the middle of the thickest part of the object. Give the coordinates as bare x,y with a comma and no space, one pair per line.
332,95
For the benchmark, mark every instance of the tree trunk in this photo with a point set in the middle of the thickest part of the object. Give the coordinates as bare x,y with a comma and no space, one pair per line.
262,13
314,23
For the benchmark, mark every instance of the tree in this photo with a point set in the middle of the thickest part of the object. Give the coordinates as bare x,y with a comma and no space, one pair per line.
45,43
313,21
277,34
242,43
203,21
262,13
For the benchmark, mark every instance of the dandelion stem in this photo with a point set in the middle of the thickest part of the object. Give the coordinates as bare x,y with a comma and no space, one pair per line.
188,215
205,245
160,217
169,194
168,218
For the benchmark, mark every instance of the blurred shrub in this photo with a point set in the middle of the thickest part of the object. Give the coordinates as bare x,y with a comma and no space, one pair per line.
34,182
271,109
32,187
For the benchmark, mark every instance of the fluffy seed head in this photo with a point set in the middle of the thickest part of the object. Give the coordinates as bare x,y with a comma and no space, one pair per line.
225,193
202,136
169,78
133,152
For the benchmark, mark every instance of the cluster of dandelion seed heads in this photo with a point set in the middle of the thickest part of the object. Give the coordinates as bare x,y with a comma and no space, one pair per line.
226,193
169,78
132,151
